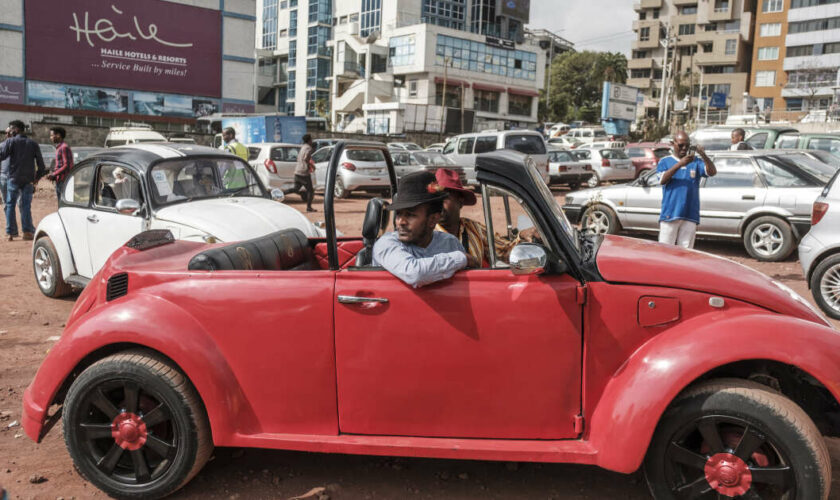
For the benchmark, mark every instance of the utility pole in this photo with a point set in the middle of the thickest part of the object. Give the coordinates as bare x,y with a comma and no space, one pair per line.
443,98
672,67
664,69
699,96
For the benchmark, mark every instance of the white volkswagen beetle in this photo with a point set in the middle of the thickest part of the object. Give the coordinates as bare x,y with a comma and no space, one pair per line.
195,192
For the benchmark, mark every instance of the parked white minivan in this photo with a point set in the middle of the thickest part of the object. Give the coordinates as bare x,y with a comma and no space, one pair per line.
588,134
463,148
120,136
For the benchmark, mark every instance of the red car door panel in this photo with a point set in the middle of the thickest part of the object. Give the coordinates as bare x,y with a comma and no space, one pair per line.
483,355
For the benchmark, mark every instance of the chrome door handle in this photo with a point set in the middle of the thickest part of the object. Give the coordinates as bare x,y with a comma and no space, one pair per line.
93,218
352,299
748,197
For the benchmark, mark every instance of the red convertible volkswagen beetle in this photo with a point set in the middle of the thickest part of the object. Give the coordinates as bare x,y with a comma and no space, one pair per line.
620,353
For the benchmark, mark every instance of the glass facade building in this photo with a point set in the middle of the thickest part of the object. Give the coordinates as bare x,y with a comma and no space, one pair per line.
480,57
447,13
269,24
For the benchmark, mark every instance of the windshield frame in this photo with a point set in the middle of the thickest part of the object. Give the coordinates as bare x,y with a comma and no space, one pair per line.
556,210
152,198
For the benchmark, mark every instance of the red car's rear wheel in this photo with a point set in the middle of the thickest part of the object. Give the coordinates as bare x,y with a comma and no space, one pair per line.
134,426
735,438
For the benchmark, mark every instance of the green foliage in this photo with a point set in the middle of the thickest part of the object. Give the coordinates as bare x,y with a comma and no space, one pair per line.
577,82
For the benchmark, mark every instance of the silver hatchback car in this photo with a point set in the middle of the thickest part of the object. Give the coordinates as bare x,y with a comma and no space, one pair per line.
761,197
819,251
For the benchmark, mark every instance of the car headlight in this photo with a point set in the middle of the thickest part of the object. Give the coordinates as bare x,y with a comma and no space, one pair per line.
798,298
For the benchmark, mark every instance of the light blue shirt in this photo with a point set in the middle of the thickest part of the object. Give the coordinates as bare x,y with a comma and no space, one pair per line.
418,266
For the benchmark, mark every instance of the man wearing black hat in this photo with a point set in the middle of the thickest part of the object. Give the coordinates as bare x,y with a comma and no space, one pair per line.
415,252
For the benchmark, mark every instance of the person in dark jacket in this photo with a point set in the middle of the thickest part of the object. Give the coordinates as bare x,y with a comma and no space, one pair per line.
25,156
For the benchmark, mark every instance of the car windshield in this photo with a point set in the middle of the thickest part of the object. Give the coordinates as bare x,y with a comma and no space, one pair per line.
712,140
825,157
365,155
551,201
199,178
561,156
814,167
412,147
433,159
529,144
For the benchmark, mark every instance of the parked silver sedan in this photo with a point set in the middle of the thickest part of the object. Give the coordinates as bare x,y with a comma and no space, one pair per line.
563,168
819,251
608,164
761,197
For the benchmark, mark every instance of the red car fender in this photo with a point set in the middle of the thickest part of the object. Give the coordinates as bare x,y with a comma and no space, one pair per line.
634,400
145,321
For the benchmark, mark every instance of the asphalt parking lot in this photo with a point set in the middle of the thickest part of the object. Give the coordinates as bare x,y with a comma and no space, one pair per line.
30,323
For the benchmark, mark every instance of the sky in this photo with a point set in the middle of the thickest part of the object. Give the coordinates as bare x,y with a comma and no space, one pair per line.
600,25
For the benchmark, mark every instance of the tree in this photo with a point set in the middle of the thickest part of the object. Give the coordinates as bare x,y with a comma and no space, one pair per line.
577,81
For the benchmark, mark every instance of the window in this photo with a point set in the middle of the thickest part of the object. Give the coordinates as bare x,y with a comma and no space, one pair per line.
284,4
519,104
642,15
510,222
830,23
796,4
800,51
401,51
708,47
691,9
644,34
486,100
794,104
317,40
733,173
453,95
465,145
116,183
449,148
757,141
317,72
787,141
640,54
77,186
715,70
776,175
290,88
412,88
292,53
825,144
770,29
320,11
448,13
283,32
656,14
765,78
269,24
312,102
529,144
640,73
772,5
479,57
371,14
731,47
293,22
768,53
485,144
686,29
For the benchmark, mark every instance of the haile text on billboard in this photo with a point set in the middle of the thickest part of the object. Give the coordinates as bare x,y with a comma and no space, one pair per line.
149,45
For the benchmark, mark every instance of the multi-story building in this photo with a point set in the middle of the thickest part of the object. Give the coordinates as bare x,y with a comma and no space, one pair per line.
709,47
162,62
766,81
376,66
812,55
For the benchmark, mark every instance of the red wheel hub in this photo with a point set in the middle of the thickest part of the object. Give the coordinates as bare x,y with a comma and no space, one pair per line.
129,431
728,474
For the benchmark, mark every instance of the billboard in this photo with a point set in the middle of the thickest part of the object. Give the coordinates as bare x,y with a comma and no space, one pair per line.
255,129
618,102
11,91
150,45
55,95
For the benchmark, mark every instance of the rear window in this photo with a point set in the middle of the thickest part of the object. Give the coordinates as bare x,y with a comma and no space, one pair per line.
253,154
614,154
660,153
787,141
365,155
115,142
528,144
635,152
600,133
561,156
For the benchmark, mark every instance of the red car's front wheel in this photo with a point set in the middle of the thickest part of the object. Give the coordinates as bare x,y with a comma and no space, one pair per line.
737,439
135,427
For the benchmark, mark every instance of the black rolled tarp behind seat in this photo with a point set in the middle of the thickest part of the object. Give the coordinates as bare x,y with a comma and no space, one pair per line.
285,250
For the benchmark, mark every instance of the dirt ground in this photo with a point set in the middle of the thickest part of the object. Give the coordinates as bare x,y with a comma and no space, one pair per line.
30,323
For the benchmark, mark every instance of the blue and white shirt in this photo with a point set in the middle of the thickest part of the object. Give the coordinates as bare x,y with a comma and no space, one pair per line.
681,195
418,266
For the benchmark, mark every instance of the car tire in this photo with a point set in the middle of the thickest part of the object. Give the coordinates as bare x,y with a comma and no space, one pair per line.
769,239
47,268
736,437
825,285
340,191
135,426
599,219
593,181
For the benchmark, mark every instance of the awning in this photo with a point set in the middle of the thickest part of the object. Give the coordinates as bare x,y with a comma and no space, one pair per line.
491,88
452,82
528,92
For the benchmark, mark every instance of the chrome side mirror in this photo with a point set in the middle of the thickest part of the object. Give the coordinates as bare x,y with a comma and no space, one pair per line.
128,206
528,258
277,195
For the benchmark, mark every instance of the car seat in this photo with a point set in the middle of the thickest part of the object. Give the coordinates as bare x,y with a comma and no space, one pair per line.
376,220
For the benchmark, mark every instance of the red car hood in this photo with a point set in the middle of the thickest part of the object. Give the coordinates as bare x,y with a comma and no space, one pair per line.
631,260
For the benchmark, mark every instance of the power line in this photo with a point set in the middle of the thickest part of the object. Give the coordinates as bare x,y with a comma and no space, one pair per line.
612,35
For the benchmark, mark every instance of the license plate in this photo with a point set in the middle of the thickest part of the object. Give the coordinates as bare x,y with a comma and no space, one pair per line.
373,171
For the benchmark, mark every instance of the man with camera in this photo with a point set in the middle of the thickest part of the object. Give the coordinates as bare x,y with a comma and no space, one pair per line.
680,178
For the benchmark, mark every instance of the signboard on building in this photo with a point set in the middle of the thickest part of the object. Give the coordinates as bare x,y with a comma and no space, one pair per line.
254,129
501,43
11,91
619,102
718,100
150,45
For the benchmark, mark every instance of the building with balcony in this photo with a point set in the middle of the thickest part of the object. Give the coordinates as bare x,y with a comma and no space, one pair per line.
374,66
709,50
767,76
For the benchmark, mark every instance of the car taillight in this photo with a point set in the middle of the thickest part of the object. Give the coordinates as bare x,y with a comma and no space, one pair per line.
605,162
349,166
562,168
270,166
818,212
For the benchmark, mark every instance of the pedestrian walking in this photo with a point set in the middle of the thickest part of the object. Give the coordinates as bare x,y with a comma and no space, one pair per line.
63,159
4,169
680,178
738,143
231,145
303,173
25,156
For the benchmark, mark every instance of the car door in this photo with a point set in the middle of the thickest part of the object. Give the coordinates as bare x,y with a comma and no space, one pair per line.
108,229
485,354
729,195
74,210
642,203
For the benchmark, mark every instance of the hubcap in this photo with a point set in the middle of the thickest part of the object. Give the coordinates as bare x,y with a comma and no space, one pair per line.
592,181
597,222
767,239
129,431
43,268
830,287
728,474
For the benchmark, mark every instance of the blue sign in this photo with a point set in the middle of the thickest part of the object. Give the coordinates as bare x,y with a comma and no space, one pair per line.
718,100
